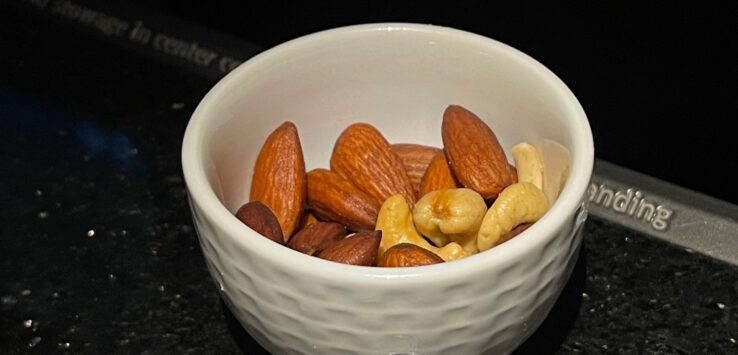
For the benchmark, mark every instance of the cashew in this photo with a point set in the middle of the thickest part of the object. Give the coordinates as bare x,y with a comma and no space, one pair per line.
450,215
529,164
518,203
556,160
396,223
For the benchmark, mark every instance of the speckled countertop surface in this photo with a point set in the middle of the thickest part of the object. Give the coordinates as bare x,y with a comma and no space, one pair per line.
98,254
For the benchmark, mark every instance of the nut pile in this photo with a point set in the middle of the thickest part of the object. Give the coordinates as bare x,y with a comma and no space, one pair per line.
396,205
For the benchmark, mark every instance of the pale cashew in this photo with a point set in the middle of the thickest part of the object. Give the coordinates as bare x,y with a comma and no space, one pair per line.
529,164
396,223
518,203
450,215
556,160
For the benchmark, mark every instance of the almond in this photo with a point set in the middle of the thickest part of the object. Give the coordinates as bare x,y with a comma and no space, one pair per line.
415,158
363,156
513,173
514,232
317,236
333,198
406,254
261,219
307,219
358,249
473,152
279,177
438,176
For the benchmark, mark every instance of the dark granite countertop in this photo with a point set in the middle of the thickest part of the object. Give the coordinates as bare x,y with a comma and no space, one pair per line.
98,253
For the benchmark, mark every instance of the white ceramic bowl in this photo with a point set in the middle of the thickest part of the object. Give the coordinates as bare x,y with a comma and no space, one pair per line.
400,78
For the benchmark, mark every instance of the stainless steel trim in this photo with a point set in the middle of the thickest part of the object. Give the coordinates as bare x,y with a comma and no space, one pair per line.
654,207
682,217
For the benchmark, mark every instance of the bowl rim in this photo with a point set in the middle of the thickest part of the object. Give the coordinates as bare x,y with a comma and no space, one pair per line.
571,197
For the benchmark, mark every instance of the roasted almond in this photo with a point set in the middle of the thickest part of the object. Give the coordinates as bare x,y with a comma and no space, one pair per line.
406,254
358,249
279,177
363,156
514,232
317,236
415,158
307,219
438,176
333,198
261,219
513,173
473,152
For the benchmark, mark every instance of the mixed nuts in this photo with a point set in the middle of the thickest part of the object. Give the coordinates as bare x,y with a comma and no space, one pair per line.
396,205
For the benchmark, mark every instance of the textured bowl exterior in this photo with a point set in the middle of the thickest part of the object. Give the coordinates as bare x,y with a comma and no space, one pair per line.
292,303
492,311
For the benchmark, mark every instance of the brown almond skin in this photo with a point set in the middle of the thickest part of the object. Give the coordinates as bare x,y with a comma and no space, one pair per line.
438,176
261,219
317,236
415,158
474,153
333,198
363,156
514,232
406,254
307,219
358,249
513,173
279,177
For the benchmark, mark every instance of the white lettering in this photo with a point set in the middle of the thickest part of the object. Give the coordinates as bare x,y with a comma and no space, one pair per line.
226,64
621,200
605,196
662,215
631,202
108,25
189,51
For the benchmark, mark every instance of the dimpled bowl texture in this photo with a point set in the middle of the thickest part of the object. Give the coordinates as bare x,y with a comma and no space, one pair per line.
399,78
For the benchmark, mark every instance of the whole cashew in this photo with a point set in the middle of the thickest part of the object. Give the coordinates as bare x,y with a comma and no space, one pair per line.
529,164
518,203
396,223
450,215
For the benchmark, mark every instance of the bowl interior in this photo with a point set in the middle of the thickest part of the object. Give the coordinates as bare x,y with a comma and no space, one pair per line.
398,78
